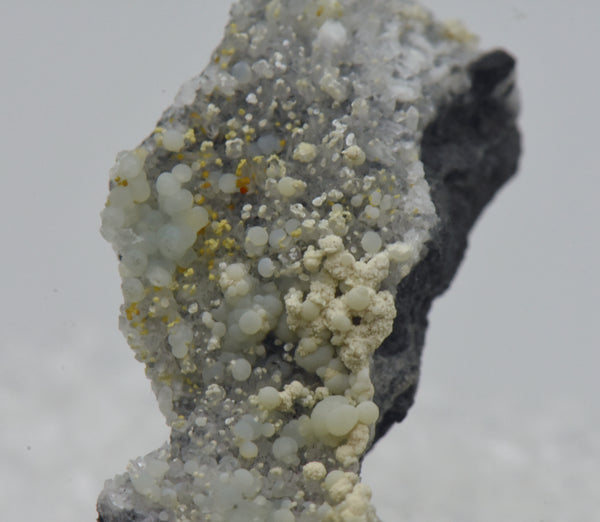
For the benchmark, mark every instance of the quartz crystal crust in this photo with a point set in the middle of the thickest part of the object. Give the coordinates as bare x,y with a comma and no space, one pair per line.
281,235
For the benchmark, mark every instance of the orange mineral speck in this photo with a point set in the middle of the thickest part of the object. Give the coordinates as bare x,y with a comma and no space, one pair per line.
131,311
244,190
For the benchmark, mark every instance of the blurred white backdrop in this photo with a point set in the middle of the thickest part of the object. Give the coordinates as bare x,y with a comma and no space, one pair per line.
506,423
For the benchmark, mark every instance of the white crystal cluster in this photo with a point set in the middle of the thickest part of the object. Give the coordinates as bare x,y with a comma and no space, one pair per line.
262,230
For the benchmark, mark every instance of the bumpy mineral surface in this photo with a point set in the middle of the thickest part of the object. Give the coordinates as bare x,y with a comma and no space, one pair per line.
274,230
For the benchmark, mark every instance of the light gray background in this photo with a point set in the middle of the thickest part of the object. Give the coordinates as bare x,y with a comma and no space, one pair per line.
506,423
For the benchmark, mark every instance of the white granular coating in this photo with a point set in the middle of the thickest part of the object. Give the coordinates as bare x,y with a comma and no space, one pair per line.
262,231
305,152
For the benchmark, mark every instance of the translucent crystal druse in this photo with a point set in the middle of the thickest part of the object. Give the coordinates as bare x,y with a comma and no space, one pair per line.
262,230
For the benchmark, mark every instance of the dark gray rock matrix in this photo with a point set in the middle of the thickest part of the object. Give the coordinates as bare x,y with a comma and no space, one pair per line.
469,151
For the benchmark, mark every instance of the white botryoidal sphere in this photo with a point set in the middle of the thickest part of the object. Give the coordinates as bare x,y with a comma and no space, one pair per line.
242,72
368,412
135,261
372,212
128,166
173,140
386,203
244,481
357,200
332,35
285,449
250,322
140,189
371,242
276,238
112,218
283,515
340,321
268,398
158,275
167,184
257,236
219,329
133,290
342,420
236,271
320,415
241,369
269,144
292,225
178,202
121,197
243,430
179,338
286,186
400,252
357,298
315,360
174,240
333,477
195,218
227,183
248,450
266,267
268,429
310,311
182,172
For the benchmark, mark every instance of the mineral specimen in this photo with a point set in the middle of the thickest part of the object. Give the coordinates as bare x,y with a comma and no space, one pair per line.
281,235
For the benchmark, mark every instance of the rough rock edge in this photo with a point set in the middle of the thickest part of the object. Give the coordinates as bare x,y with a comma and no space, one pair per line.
469,151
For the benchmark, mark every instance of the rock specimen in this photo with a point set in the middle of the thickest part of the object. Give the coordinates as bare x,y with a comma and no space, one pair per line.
281,235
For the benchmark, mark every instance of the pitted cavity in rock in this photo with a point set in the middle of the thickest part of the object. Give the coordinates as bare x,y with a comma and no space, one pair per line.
262,231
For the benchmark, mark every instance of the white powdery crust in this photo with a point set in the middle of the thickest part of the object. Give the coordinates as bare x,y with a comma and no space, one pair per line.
262,231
